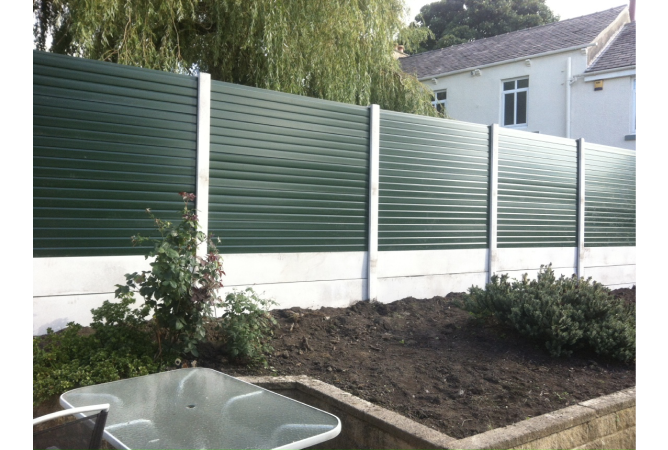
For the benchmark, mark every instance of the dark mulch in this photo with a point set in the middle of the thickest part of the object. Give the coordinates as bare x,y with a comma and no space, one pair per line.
432,362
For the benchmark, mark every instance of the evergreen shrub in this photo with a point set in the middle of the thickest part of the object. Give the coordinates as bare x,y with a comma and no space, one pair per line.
566,314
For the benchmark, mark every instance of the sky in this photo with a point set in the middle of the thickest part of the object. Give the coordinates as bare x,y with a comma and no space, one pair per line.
566,9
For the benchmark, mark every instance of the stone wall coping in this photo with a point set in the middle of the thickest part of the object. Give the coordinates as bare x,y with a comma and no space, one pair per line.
528,430
404,428
613,402
538,427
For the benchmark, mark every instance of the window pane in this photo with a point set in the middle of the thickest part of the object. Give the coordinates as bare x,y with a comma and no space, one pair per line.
442,95
646,85
509,109
508,85
652,111
522,107
522,83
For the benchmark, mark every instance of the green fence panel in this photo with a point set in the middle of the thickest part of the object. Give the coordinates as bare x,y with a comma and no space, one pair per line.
287,173
434,182
537,201
610,196
109,141
16,202
651,198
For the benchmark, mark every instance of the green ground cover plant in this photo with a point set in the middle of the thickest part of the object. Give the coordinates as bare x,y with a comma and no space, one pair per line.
566,314
120,346
180,297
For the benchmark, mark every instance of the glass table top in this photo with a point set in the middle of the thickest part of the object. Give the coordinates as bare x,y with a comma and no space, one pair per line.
200,408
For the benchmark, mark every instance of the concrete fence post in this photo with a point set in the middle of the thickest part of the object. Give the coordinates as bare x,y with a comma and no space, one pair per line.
492,262
203,144
581,207
374,170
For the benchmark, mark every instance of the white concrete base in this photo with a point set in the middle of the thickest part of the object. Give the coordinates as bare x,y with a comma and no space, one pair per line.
614,267
528,259
651,264
312,295
427,273
66,289
99,274
431,262
82,275
56,312
392,289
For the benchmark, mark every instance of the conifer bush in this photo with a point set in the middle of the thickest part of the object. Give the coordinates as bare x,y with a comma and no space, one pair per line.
566,314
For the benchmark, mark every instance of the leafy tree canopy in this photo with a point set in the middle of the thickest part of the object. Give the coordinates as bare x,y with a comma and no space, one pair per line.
338,50
458,21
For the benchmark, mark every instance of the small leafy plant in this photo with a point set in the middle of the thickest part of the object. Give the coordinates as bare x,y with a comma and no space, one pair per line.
567,314
180,294
247,325
181,287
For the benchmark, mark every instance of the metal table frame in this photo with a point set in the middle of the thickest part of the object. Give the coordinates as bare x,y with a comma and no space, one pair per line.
116,441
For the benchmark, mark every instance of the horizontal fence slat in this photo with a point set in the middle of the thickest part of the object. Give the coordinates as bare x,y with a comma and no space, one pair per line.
433,183
292,171
537,184
109,141
610,206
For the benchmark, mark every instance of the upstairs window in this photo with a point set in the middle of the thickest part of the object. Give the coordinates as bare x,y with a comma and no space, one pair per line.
515,94
440,101
651,106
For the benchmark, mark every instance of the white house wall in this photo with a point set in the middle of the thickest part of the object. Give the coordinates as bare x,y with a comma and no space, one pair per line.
478,99
604,117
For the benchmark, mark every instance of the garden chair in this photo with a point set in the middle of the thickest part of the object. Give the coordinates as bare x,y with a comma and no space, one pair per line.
85,432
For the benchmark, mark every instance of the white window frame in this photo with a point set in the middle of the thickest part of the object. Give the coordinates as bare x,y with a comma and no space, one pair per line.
503,103
633,111
443,102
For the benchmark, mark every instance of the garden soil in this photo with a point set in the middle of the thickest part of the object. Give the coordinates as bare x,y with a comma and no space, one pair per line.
432,362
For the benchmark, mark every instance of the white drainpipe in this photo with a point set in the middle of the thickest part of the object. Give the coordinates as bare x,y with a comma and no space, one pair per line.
568,98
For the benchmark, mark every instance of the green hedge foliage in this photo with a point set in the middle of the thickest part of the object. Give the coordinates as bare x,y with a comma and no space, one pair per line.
120,347
566,314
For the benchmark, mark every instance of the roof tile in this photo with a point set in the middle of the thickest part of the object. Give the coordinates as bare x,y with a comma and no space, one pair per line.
637,44
517,44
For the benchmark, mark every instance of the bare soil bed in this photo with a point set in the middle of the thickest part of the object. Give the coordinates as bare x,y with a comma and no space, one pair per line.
432,362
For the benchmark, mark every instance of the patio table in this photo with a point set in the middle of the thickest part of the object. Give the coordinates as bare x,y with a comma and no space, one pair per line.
200,408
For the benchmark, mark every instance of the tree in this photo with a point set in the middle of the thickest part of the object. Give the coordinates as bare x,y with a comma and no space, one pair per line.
458,21
338,50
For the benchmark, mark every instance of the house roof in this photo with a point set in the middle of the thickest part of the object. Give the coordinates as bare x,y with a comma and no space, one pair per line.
517,44
637,44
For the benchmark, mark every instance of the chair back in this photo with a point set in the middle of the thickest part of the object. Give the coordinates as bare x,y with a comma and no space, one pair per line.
58,431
